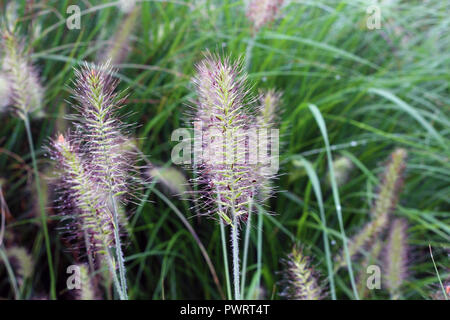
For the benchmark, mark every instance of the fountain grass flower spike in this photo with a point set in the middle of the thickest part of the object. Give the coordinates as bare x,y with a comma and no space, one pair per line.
24,96
92,224
396,258
111,165
229,180
26,92
104,165
300,280
387,196
262,12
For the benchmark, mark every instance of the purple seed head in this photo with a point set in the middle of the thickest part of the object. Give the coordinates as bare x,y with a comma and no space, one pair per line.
228,178
91,225
262,12
104,140
300,280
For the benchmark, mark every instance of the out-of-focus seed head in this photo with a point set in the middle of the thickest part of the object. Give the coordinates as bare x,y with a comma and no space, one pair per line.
171,178
391,183
21,260
267,118
262,12
385,203
127,5
342,168
26,93
269,108
87,289
396,258
371,258
118,46
300,281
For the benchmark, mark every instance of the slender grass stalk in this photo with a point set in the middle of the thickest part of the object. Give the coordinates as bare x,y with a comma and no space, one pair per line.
196,238
224,251
318,192
225,258
437,274
42,209
248,53
321,123
259,249
112,269
245,254
118,247
235,249
246,244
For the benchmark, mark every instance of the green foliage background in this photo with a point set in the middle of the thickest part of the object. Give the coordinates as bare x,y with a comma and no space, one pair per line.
376,90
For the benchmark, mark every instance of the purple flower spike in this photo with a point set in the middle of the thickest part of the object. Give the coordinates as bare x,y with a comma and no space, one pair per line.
300,280
229,179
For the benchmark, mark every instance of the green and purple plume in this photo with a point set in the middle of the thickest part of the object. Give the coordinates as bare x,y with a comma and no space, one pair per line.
300,281
230,181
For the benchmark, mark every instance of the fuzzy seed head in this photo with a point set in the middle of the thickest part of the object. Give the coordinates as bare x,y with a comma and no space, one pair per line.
110,163
370,259
386,202
391,183
21,260
229,179
269,108
26,93
300,280
80,202
262,12
268,118
342,168
396,257
119,44
87,290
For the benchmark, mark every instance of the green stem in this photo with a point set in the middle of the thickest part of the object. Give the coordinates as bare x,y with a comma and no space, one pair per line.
321,123
259,250
246,244
112,269
225,257
119,253
42,209
235,250
248,53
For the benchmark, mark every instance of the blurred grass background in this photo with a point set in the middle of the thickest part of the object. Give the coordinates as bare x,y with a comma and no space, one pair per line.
376,90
